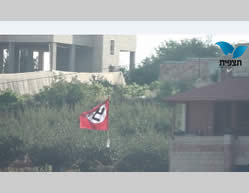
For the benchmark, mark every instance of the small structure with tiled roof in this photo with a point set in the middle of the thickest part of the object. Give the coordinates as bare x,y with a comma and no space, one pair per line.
216,127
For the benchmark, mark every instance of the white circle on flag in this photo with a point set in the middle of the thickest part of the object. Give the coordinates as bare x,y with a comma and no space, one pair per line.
98,116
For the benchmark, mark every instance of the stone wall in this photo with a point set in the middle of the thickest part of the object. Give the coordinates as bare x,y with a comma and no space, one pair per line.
191,68
197,154
208,153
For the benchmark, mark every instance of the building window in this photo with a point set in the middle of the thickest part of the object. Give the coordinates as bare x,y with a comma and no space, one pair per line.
112,47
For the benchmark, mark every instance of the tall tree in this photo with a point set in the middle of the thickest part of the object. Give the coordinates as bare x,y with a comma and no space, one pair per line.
171,50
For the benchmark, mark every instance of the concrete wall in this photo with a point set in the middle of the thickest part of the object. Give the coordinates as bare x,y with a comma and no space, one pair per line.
63,39
196,154
125,43
242,150
97,53
83,40
208,153
109,59
62,59
26,38
99,59
84,59
32,82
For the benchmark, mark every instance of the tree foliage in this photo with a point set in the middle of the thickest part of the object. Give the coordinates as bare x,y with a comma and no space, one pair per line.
168,88
171,50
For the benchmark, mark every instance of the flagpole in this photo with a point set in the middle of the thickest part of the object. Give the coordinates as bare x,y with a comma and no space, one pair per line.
108,143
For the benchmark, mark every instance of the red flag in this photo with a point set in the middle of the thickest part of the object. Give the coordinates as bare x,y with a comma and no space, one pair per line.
96,118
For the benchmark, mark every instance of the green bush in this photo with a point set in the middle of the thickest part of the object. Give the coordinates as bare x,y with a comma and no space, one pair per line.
168,88
58,156
49,127
9,100
135,117
11,148
145,74
90,158
62,93
142,162
148,152
59,94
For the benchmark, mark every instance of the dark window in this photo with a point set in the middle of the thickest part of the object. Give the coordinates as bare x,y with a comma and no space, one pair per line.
112,47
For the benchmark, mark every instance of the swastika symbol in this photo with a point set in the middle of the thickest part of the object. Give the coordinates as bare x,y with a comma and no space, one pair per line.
99,111
98,116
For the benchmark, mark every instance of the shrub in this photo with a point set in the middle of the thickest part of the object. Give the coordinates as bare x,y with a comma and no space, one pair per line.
9,100
145,74
61,93
55,155
168,88
50,128
11,148
135,117
142,162
144,153
92,157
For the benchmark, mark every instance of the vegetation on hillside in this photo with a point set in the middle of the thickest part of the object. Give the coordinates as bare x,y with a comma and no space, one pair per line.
46,127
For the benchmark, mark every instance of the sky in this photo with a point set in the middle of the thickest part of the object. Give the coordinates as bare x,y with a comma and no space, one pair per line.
146,44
